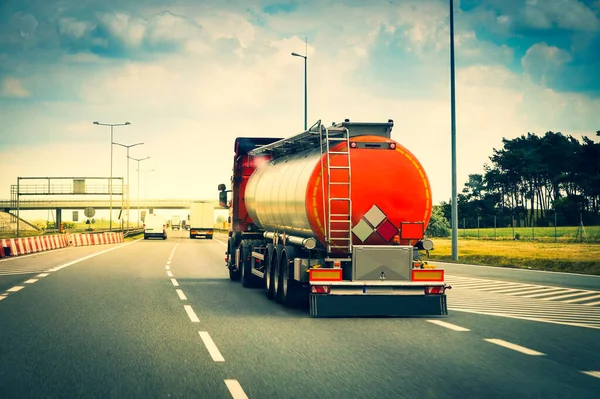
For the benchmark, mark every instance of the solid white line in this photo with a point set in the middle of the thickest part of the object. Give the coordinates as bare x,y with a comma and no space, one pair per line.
175,283
15,288
42,274
221,242
592,373
181,295
169,274
514,347
31,281
235,389
591,304
448,325
210,345
88,257
191,314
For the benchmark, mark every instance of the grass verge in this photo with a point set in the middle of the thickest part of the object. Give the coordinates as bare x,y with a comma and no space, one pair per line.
563,257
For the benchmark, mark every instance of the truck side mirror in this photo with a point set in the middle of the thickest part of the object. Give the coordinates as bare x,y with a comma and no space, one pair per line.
223,199
221,187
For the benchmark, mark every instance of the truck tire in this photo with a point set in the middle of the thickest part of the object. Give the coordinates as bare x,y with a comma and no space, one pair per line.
269,277
289,292
209,237
246,277
278,273
234,274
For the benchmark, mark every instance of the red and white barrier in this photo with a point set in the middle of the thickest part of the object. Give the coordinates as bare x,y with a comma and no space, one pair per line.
29,245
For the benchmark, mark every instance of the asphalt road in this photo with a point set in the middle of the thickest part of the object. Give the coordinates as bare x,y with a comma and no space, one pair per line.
160,319
570,280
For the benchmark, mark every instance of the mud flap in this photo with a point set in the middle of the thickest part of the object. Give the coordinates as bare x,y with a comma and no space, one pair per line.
377,305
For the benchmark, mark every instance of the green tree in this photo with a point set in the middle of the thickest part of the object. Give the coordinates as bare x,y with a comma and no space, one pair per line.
438,226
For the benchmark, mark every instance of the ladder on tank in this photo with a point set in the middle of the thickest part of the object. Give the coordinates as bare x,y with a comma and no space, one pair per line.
339,223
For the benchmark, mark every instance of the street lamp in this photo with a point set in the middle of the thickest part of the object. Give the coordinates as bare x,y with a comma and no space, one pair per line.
138,186
128,188
305,82
111,162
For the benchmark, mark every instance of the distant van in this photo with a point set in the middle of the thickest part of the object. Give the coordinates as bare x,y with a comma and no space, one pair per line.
155,226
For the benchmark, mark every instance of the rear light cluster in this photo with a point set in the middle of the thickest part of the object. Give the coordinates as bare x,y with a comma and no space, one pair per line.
435,290
320,289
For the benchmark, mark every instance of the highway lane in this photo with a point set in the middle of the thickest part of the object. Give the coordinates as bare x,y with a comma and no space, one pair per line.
15,270
115,325
110,326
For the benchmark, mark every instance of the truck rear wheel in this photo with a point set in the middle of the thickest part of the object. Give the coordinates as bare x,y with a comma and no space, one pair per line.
278,272
247,278
289,288
269,269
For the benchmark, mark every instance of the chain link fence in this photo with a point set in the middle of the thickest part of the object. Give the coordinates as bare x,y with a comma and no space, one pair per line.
553,226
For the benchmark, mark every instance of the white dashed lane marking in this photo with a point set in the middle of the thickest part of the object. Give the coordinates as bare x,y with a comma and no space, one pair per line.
592,373
191,314
235,389
31,281
42,275
174,282
211,347
169,274
15,288
514,347
448,325
181,295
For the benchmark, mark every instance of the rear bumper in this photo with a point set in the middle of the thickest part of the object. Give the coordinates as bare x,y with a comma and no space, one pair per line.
323,305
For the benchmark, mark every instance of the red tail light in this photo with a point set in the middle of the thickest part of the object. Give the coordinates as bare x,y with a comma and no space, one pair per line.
435,290
320,289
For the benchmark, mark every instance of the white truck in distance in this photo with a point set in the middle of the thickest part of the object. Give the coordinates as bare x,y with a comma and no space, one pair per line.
202,219
175,222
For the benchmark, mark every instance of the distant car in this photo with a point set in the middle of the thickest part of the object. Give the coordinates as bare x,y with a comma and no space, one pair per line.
155,226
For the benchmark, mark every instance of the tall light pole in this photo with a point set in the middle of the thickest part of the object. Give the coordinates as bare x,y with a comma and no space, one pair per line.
128,184
305,82
454,213
138,186
110,190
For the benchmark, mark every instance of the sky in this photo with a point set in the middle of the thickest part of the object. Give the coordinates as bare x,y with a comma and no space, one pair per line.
192,75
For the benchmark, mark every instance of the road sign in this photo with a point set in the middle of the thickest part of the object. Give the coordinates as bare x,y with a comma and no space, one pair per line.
89,212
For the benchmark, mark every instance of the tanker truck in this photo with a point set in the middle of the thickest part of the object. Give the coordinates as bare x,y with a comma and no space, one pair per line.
333,218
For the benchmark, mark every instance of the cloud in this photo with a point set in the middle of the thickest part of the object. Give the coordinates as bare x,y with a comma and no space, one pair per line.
12,87
192,77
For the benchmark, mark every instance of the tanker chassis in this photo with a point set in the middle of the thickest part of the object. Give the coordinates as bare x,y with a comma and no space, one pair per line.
333,217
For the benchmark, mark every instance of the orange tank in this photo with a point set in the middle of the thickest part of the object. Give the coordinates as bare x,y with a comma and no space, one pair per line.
389,187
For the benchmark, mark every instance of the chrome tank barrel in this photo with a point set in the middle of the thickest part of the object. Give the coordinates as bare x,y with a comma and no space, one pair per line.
389,191
276,193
